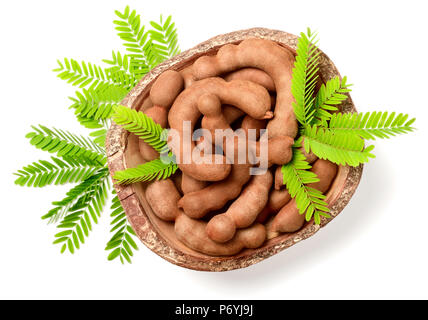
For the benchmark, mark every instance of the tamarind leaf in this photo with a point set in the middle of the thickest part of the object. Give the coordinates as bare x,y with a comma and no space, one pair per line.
371,125
141,125
296,176
153,170
330,94
121,243
59,171
342,148
305,76
66,144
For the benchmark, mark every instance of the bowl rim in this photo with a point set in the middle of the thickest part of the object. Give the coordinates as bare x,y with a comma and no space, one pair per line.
116,143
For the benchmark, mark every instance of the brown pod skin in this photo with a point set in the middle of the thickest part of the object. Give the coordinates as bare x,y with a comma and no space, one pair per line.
160,116
277,200
255,124
166,88
288,218
252,74
162,94
191,232
197,204
162,196
231,114
188,184
243,211
244,95
268,56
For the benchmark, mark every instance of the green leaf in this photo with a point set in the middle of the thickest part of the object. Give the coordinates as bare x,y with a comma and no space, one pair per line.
371,125
296,176
305,76
141,125
328,97
66,144
121,242
339,147
152,170
58,171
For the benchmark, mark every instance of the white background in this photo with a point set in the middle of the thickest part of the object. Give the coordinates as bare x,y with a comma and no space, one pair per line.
377,248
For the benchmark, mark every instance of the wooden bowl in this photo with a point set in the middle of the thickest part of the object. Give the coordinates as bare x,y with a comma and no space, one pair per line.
158,235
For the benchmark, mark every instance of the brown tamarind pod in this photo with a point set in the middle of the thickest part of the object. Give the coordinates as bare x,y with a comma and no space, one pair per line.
162,196
160,116
166,88
189,184
162,94
288,218
252,74
245,95
268,56
254,124
191,232
277,200
243,211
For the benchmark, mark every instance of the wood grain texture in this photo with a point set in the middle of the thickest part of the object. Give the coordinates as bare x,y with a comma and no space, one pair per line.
158,235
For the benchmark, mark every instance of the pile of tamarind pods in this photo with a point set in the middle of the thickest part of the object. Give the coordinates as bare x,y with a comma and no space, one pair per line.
219,208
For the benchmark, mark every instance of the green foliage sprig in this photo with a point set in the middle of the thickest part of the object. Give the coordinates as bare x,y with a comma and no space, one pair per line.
336,137
296,177
82,160
121,243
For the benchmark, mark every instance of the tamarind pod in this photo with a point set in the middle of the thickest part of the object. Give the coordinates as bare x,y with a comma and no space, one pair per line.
162,94
255,124
279,150
215,196
243,211
166,88
189,184
247,96
160,116
277,200
187,74
268,56
191,232
288,218
231,113
252,74
162,196
198,203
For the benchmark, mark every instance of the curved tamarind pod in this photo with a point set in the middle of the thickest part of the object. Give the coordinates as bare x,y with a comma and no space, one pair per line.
197,204
231,113
192,233
268,56
252,74
187,74
162,94
188,184
243,211
160,116
216,195
288,218
277,200
166,88
247,96
162,196
255,124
